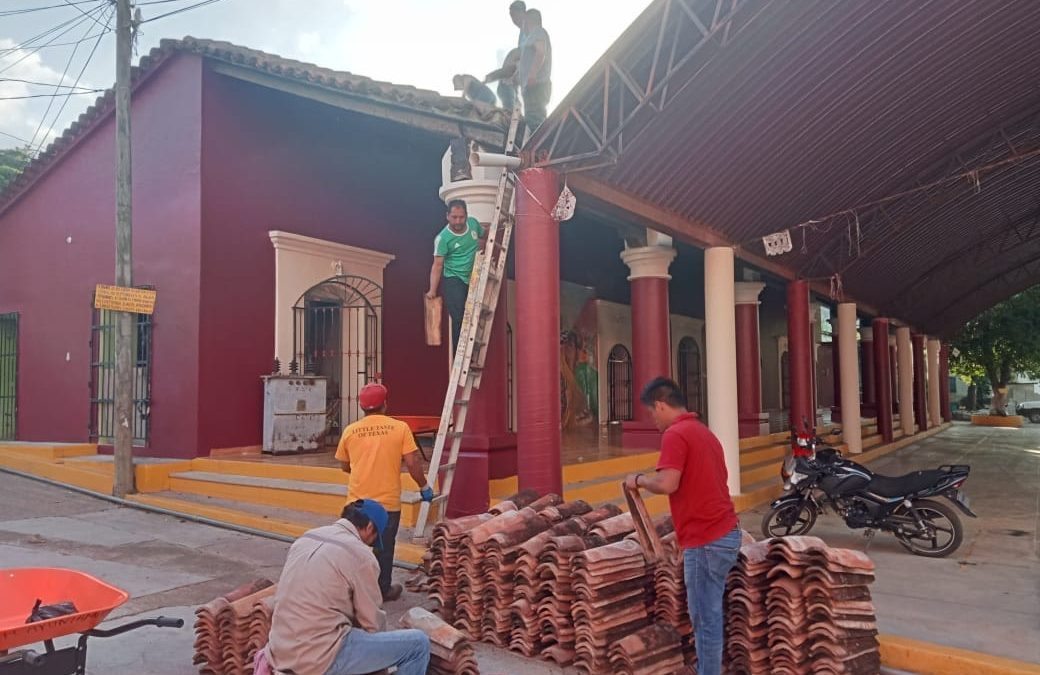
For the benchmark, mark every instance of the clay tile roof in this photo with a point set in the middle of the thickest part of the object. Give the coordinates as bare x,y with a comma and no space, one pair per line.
423,104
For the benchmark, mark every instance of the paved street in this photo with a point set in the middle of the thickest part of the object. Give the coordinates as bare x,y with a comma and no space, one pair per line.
986,597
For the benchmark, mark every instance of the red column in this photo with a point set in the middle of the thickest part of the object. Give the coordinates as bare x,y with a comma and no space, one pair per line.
800,358
537,272
749,360
651,335
883,375
920,398
869,405
944,383
488,447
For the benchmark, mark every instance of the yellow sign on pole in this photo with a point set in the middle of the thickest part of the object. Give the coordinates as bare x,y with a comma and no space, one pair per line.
122,299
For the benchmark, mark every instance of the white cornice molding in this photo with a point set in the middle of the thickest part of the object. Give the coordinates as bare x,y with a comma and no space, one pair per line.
649,262
298,243
747,292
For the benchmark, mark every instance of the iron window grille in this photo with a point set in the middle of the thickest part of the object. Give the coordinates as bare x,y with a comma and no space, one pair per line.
102,422
8,376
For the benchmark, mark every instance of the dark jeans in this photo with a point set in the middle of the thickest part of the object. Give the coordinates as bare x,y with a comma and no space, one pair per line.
536,104
705,568
455,291
507,94
386,556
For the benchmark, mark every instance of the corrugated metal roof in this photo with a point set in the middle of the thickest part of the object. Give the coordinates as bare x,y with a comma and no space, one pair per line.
421,101
815,107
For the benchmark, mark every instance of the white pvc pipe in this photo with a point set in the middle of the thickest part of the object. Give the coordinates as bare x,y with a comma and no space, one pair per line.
905,355
934,406
848,357
720,328
494,159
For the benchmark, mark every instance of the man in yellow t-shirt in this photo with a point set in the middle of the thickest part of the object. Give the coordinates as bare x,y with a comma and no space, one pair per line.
371,451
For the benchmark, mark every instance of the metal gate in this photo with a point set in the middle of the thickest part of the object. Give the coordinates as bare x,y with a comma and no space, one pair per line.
619,384
8,376
103,376
337,333
689,367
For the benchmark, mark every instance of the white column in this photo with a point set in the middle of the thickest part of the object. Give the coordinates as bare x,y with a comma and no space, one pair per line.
934,406
720,329
905,354
848,355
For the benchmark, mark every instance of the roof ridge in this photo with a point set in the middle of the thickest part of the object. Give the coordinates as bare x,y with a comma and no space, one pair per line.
422,100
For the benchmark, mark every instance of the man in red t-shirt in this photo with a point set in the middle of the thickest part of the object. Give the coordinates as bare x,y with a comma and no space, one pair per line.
692,472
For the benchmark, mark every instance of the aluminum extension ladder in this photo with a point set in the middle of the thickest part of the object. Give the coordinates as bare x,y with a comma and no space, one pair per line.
468,367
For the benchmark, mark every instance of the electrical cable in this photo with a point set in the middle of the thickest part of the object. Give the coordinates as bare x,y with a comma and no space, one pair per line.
68,97
38,84
17,138
28,10
51,96
182,9
57,89
28,43
24,46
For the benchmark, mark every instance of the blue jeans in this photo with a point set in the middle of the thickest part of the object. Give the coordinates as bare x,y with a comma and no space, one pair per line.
363,653
705,569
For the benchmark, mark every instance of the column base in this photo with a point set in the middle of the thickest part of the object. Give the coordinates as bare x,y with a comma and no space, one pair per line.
835,413
756,424
868,410
640,435
482,459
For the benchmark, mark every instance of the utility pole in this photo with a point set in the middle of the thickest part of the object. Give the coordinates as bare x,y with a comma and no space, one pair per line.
124,389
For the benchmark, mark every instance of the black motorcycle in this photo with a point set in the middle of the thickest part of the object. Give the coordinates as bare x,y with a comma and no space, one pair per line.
817,476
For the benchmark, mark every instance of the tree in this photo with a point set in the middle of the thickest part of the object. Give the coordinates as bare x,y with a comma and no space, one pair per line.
12,161
1000,343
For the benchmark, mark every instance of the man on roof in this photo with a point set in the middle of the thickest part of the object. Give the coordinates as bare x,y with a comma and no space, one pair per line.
371,451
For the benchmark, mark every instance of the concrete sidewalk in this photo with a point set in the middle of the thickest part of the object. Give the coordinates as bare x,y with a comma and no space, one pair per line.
169,567
986,597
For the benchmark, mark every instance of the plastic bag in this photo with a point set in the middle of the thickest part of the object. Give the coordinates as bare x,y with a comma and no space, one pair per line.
42,612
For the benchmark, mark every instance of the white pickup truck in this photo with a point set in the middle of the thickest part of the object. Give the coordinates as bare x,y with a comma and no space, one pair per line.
1029,410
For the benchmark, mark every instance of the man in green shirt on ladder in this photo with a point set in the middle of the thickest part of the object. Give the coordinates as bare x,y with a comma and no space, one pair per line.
454,251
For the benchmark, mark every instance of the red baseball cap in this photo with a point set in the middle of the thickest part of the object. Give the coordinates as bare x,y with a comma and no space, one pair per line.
372,396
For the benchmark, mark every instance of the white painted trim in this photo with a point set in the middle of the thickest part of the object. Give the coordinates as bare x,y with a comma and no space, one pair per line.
747,292
298,243
649,262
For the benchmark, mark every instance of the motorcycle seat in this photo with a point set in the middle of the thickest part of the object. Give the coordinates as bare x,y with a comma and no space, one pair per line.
897,486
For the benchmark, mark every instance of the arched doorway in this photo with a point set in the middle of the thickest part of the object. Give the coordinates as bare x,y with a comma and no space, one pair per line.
619,384
337,333
688,363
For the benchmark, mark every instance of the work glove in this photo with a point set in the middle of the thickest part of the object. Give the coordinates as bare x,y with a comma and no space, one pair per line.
426,493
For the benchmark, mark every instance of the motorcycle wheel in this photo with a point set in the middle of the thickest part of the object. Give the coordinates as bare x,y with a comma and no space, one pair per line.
944,530
789,520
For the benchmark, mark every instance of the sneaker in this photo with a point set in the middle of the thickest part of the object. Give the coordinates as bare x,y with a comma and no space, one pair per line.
394,593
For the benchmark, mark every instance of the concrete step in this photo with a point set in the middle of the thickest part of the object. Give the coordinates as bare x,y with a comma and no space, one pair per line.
275,520
311,496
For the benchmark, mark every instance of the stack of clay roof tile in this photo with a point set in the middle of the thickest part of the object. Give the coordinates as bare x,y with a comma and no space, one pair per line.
654,650
438,575
611,584
669,606
795,605
542,592
450,652
230,629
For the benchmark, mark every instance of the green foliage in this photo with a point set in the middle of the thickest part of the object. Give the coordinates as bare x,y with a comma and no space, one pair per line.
12,161
1001,342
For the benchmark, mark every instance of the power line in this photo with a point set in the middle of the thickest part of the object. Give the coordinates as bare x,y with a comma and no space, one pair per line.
68,97
52,96
28,10
68,64
182,9
28,43
17,138
25,45
70,3
39,84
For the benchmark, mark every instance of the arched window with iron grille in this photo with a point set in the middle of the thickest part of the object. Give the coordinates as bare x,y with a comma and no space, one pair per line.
619,383
689,366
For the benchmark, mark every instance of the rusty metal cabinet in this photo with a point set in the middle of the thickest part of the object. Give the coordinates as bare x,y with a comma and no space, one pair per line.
294,413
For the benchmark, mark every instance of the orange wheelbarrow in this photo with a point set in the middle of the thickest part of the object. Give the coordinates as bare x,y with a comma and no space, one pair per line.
21,589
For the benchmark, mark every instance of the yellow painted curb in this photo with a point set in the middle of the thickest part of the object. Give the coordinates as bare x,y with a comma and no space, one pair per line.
927,658
224,515
50,450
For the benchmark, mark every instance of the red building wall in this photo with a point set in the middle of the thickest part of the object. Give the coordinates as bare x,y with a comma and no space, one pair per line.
49,282
271,161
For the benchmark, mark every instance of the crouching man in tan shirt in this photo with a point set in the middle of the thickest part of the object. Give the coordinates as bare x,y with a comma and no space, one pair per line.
328,617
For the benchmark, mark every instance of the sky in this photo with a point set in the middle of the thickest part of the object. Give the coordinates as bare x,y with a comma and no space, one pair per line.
417,42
